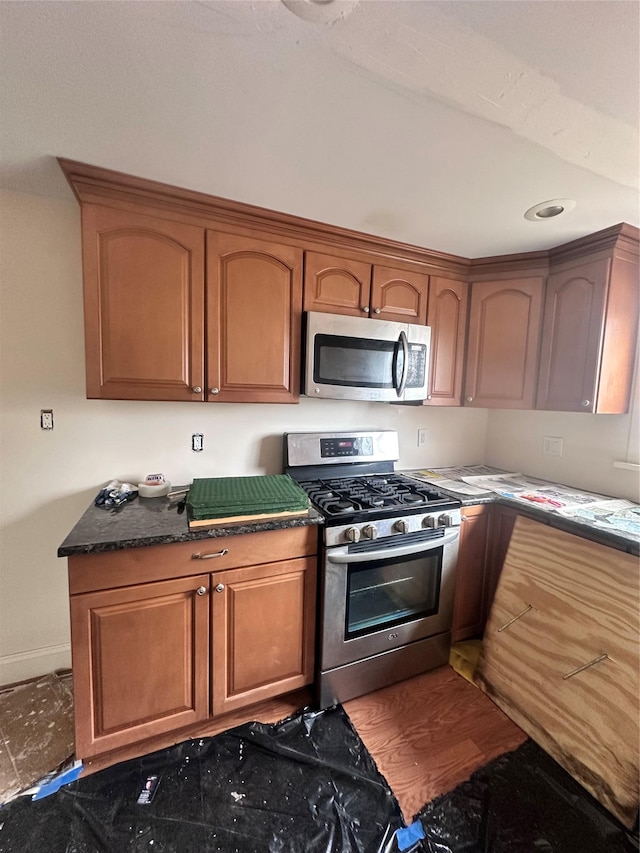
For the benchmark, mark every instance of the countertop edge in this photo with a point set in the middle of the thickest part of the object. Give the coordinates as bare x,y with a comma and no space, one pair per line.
188,535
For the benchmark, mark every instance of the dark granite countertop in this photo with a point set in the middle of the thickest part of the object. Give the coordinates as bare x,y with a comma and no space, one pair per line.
547,515
156,521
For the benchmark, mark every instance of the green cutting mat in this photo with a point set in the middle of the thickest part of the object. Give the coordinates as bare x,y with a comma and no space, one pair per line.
225,497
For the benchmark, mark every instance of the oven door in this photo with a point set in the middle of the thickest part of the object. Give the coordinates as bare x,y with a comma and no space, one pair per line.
377,600
355,358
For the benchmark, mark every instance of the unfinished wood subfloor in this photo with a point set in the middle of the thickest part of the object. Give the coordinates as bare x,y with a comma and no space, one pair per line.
430,733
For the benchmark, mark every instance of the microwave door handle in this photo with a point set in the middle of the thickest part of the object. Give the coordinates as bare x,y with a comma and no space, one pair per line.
402,341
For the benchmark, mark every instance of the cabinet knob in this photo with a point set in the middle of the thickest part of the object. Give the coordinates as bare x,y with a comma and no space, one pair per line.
220,587
215,390
586,403
428,396
201,590
197,389
469,399
365,309
463,518
377,310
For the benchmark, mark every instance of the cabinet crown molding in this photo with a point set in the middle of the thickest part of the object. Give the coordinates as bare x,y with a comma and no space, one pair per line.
94,184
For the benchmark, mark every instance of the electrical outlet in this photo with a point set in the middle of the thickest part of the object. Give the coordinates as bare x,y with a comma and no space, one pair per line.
197,442
422,437
552,445
46,418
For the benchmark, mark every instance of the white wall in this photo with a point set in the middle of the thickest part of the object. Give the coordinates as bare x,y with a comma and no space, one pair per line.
591,445
47,479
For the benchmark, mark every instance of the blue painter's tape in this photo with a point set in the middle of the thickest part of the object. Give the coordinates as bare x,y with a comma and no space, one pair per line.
409,835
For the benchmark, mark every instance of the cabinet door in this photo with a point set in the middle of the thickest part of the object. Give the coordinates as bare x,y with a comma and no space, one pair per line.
254,306
263,626
399,295
588,338
503,520
336,285
447,317
504,333
469,614
144,304
140,662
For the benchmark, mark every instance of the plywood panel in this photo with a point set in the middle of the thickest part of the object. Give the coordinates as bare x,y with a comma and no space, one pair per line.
576,603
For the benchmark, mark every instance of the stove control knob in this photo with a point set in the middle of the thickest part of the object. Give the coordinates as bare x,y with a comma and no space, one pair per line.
401,526
429,521
352,534
444,520
371,531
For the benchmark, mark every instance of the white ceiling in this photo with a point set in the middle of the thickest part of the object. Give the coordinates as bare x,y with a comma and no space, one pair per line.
435,123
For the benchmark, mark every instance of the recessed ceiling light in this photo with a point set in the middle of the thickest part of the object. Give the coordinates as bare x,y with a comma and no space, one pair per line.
549,209
321,11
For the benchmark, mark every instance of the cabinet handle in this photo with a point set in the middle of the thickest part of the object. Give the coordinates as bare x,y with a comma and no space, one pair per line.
215,390
515,618
585,666
586,403
197,389
366,309
210,556
377,310
469,399
201,590
220,587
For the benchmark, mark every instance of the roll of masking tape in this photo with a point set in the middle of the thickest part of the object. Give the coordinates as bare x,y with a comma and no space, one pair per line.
146,490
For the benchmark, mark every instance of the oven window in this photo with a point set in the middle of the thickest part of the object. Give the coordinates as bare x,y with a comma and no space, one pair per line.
384,593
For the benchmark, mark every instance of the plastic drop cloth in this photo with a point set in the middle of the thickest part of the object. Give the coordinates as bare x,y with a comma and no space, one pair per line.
522,802
305,785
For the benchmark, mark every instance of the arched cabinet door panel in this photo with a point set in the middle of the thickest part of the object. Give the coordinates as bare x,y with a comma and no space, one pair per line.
336,285
447,317
399,295
504,335
254,307
588,338
144,300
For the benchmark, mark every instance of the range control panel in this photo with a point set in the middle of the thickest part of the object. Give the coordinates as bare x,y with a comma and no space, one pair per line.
330,448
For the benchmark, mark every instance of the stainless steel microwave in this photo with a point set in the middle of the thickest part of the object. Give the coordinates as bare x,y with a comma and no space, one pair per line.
356,358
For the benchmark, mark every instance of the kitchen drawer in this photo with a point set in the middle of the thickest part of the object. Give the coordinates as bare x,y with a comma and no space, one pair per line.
106,570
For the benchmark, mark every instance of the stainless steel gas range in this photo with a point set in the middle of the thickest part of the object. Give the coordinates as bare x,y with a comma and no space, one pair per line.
390,546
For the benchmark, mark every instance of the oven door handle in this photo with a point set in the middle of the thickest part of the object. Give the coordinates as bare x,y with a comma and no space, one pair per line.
340,555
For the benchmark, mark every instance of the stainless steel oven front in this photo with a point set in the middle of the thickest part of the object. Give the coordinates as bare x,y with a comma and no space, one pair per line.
386,607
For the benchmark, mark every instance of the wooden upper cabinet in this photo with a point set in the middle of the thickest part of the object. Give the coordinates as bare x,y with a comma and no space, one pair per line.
502,351
336,285
144,306
344,285
254,307
399,295
447,317
588,339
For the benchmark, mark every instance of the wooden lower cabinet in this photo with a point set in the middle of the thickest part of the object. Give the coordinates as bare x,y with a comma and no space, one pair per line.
262,632
168,653
485,534
469,609
140,658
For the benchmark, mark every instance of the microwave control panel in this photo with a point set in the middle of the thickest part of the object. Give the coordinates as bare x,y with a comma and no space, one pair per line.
416,371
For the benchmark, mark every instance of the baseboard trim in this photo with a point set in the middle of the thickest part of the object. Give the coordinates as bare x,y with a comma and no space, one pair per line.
23,666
